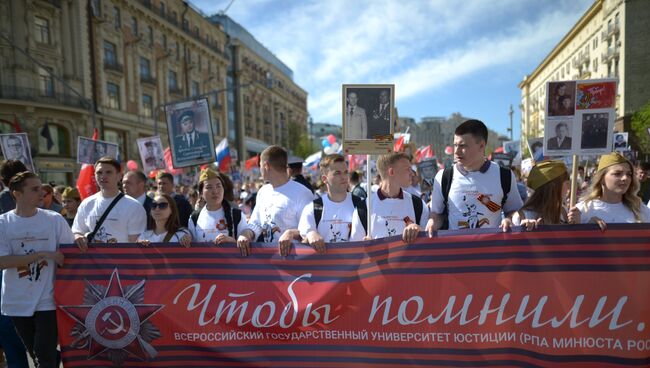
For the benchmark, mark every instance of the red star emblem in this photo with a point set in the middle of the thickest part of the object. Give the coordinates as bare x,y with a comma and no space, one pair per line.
113,322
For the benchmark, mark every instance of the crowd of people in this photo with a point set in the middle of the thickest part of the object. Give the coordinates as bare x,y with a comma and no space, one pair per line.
280,208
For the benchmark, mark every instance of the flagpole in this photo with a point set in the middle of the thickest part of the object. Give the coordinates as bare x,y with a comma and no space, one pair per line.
369,187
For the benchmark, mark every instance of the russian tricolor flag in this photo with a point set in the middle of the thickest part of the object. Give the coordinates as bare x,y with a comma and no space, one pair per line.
223,155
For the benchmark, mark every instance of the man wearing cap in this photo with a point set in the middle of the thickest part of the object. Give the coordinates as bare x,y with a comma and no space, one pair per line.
190,137
279,205
295,171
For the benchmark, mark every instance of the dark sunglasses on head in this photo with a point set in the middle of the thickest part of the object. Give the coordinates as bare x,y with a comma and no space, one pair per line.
161,205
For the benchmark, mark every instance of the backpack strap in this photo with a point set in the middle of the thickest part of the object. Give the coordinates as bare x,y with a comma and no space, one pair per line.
418,208
506,182
227,213
195,216
99,223
447,177
168,237
236,218
318,210
362,211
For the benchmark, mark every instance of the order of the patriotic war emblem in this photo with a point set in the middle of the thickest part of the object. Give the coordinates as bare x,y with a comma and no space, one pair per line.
113,321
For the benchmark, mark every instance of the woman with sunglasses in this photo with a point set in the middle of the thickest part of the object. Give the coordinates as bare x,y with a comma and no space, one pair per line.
218,221
164,225
612,197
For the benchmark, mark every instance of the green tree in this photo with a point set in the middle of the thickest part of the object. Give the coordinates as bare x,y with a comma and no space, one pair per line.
298,141
639,125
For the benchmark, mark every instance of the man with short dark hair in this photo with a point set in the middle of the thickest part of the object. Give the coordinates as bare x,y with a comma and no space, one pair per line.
560,141
379,122
48,199
279,205
190,137
165,183
355,184
134,184
470,194
8,169
295,172
124,222
29,243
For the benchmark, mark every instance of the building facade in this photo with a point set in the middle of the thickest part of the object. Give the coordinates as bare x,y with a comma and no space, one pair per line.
128,58
611,40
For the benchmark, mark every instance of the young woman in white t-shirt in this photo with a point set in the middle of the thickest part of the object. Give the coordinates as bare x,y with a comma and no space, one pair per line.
164,225
550,182
612,197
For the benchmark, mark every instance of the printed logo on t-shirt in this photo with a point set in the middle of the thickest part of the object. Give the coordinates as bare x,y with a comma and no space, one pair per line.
337,231
471,215
102,236
221,225
31,271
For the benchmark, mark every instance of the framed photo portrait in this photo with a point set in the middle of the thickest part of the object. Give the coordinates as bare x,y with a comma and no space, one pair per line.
558,137
151,153
620,142
190,133
15,146
89,151
368,112
561,98
536,148
596,130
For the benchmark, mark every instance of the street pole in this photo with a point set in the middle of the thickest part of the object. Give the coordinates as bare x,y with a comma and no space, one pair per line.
511,113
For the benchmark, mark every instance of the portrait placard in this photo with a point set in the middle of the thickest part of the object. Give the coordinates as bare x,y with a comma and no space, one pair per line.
596,130
151,153
514,149
190,133
502,159
560,98
536,148
620,142
89,151
15,146
368,112
428,168
559,136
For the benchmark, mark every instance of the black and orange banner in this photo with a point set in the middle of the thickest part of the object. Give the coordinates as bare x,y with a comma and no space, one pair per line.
553,297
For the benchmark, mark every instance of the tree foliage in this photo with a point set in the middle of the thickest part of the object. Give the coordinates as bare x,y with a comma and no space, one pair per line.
639,125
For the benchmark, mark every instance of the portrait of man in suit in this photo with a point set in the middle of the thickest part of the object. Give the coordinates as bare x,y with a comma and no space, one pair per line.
189,137
561,141
380,116
15,149
357,123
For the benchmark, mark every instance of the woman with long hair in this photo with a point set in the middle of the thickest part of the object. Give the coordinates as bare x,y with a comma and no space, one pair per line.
612,197
164,226
218,221
550,182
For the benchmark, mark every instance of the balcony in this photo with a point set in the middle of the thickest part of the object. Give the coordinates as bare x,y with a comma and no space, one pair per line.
36,95
113,66
175,91
612,52
147,79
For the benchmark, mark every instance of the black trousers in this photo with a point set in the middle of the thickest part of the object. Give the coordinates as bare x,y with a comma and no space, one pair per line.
39,334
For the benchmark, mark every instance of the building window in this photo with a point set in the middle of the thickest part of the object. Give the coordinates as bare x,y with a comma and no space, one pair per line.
195,88
113,94
164,42
117,137
178,51
162,9
145,68
42,30
46,82
117,19
53,140
150,35
110,57
186,24
171,81
147,106
96,7
134,26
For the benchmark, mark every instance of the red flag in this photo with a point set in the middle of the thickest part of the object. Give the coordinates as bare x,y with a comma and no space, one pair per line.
252,162
169,163
86,184
399,144
356,161
17,125
423,153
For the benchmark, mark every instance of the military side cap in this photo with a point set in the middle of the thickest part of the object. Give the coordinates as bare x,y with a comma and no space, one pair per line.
207,174
544,172
613,158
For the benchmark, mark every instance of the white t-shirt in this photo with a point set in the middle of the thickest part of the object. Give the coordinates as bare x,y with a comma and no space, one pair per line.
278,209
159,238
610,213
339,222
475,198
128,217
212,223
391,215
30,288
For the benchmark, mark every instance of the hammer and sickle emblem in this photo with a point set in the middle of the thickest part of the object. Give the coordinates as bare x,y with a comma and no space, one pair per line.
118,327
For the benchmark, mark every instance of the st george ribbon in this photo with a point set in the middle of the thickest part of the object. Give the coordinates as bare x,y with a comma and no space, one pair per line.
558,296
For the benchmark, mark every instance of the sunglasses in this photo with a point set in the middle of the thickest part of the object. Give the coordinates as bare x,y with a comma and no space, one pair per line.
161,205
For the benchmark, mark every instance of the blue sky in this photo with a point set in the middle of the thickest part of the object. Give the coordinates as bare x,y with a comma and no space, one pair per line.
443,56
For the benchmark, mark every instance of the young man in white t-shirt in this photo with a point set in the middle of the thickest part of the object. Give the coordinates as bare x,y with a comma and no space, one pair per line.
339,219
29,242
126,220
278,207
395,211
475,192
